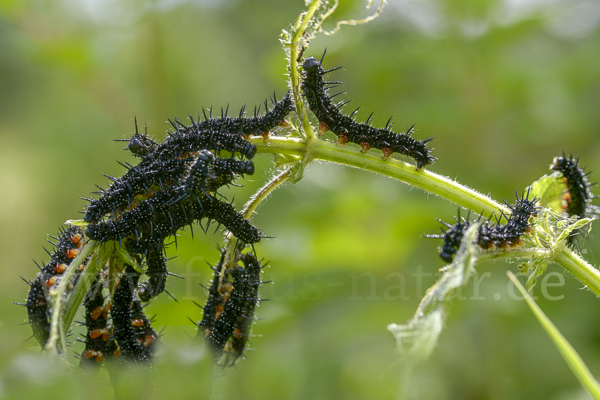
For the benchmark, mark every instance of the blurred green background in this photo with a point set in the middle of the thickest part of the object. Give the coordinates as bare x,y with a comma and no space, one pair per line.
503,86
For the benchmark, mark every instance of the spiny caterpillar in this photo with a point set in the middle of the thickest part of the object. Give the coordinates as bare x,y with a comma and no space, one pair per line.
133,331
247,126
224,133
490,237
229,309
69,243
171,208
316,92
99,341
578,195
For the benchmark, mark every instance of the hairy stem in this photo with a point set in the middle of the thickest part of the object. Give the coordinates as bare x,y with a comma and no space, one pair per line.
249,209
432,183
296,46
97,262
586,273
372,161
264,192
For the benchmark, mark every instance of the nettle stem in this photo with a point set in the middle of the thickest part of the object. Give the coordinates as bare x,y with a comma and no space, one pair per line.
396,169
316,149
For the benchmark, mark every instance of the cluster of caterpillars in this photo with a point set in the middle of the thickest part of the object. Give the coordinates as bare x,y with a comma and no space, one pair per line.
576,198
175,184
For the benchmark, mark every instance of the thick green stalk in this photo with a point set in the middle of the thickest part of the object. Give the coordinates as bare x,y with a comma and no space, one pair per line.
430,182
372,161
586,273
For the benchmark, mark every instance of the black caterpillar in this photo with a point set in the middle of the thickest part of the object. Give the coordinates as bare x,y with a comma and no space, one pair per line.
133,331
578,195
156,217
123,191
490,237
157,274
247,126
178,205
99,340
67,248
215,173
229,309
217,134
316,92
249,296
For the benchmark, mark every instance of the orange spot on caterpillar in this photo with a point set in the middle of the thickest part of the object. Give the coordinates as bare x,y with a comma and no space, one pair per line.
89,353
96,333
137,322
72,253
60,268
97,312
387,152
322,128
149,339
49,282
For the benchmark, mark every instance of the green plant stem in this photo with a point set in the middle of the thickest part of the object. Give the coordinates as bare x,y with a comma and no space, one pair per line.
264,192
249,209
296,42
430,182
372,161
565,257
583,271
569,354
57,295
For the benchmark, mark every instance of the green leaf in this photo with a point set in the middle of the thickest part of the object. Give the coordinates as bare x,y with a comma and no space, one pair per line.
77,222
417,338
539,266
549,189
570,226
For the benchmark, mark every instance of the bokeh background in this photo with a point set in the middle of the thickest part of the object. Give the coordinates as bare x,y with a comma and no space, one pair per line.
503,86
